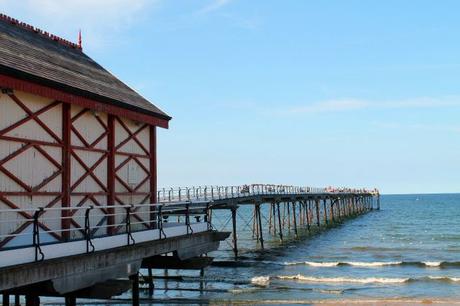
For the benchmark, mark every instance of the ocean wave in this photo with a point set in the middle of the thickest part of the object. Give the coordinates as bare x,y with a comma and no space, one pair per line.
366,280
260,280
376,264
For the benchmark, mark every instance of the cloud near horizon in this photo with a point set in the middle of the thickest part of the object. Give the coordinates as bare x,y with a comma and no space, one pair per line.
342,105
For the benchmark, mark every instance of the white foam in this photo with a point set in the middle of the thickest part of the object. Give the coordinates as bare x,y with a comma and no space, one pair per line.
260,280
322,264
373,264
350,263
452,279
432,263
366,280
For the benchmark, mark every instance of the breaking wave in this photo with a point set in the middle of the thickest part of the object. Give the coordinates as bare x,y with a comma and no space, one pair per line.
374,264
265,280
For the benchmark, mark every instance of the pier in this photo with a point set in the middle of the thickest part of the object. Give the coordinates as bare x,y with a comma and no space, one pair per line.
277,210
180,225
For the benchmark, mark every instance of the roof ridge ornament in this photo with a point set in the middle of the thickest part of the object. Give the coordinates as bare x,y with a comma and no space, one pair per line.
79,40
36,30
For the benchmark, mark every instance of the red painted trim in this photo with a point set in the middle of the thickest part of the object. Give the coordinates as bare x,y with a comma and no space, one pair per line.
153,172
30,141
111,172
60,95
66,167
34,116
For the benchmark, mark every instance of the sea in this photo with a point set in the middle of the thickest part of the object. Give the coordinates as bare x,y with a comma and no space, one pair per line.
409,250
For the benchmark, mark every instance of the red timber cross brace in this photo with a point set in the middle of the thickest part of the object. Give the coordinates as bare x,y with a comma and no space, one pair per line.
55,153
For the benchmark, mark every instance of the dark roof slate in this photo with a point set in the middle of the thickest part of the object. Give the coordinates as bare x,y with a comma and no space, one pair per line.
34,54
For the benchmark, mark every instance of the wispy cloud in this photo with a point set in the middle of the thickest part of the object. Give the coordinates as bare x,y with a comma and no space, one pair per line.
214,5
100,20
330,106
343,105
425,127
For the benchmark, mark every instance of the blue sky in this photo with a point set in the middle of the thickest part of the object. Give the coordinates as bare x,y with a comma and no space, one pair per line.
342,93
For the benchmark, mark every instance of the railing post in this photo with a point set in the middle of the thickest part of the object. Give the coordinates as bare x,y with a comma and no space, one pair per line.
129,237
36,235
187,219
89,244
161,232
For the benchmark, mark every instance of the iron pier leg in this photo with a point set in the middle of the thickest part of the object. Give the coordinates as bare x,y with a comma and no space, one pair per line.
135,292
17,300
307,214
331,211
289,215
6,299
378,202
274,218
279,221
295,218
151,287
259,217
235,239
318,222
325,211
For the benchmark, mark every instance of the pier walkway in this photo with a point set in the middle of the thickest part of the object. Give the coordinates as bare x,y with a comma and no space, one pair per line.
39,255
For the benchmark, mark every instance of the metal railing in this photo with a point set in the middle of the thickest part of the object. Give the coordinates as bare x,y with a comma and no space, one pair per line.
65,224
214,193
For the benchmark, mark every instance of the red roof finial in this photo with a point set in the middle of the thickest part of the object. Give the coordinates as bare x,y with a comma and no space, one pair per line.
79,40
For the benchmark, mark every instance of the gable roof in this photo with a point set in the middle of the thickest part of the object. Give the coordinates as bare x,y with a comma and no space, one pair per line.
31,54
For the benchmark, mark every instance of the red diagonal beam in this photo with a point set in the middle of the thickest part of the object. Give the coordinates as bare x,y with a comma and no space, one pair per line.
29,117
34,116
131,136
89,171
48,157
15,179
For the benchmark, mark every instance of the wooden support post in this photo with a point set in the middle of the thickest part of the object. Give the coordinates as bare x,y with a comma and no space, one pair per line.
111,174
259,217
150,281
17,300
70,300
318,221
6,299
235,239
307,215
274,218
295,218
325,211
279,222
66,166
135,291
153,175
